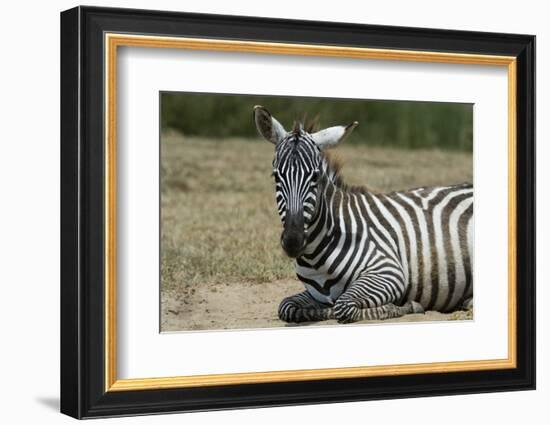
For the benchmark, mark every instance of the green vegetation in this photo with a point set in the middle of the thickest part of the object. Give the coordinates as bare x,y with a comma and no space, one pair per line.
396,124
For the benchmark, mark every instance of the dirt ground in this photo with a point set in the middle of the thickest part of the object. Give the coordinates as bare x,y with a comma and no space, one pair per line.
221,262
249,306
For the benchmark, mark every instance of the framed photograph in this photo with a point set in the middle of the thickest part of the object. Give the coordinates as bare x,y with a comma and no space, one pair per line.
261,212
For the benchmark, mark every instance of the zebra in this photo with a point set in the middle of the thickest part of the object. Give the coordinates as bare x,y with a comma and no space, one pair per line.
363,255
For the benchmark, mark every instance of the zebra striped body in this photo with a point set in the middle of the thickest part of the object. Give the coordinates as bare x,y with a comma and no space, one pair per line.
359,254
422,239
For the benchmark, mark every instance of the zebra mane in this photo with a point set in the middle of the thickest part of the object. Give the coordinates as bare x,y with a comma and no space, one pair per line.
333,167
309,125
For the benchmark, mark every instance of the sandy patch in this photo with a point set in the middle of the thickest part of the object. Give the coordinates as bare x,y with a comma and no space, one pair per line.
248,305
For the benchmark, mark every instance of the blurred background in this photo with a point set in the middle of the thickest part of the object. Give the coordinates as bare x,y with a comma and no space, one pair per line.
401,124
222,266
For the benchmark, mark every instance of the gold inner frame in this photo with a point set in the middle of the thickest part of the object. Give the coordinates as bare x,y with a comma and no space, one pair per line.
113,41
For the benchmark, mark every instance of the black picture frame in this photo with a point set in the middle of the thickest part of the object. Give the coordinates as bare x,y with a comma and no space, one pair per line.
83,392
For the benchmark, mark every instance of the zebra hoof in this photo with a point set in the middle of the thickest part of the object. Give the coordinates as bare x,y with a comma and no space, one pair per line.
417,308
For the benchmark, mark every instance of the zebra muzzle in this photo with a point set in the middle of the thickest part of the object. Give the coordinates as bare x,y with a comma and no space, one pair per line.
293,238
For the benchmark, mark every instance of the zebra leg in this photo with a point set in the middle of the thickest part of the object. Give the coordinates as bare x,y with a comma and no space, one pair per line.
366,299
303,307
353,312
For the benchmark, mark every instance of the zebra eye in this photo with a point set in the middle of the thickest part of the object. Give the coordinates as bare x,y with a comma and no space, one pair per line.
315,176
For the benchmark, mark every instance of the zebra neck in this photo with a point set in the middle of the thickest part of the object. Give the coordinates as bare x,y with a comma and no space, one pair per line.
330,212
331,170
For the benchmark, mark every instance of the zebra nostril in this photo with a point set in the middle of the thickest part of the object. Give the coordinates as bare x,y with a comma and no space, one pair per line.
292,244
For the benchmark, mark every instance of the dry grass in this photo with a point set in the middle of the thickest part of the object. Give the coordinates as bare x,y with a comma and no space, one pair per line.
219,225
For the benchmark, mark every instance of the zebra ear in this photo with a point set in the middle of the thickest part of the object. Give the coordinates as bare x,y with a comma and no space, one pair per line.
268,127
333,135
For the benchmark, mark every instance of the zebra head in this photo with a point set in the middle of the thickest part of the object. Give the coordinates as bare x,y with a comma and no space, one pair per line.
297,170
